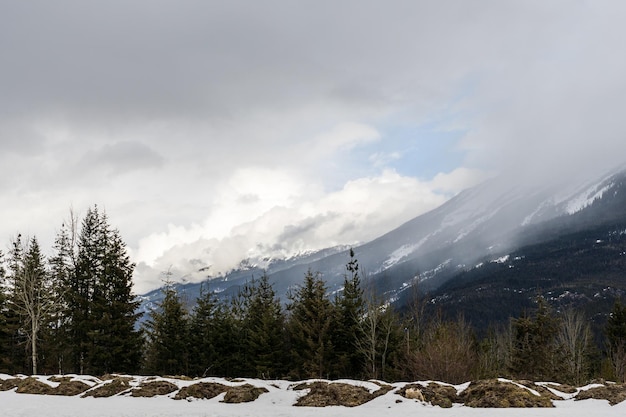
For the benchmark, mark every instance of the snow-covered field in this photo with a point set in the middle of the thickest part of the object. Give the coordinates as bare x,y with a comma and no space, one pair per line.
278,401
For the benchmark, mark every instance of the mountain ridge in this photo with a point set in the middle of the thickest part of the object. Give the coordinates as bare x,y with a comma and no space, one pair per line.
484,223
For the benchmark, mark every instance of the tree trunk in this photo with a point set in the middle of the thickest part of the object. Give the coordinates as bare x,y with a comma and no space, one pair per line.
33,344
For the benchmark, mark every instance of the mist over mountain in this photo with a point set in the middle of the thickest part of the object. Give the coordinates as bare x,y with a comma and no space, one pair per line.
486,252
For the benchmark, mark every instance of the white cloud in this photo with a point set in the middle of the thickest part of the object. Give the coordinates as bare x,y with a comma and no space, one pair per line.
287,216
458,180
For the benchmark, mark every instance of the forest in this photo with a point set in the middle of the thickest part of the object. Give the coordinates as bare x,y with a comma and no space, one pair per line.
75,312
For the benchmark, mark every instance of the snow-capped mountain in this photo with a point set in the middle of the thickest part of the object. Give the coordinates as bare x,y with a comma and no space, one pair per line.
482,225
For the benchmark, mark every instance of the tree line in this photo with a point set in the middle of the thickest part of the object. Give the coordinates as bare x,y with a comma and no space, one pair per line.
75,312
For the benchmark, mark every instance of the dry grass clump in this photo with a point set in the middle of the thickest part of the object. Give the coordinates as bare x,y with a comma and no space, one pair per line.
9,384
154,388
436,394
109,389
613,393
243,394
492,393
70,388
323,394
201,390
33,386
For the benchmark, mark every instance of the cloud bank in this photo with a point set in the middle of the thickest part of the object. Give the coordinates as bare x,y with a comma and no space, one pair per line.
212,131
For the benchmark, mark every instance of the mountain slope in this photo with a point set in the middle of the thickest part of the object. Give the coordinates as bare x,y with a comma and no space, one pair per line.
491,225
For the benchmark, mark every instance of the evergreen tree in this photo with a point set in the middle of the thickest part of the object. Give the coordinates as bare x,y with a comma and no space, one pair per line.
309,329
168,336
204,334
5,336
17,358
615,331
349,308
100,305
264,324
62,265
536,354
116,343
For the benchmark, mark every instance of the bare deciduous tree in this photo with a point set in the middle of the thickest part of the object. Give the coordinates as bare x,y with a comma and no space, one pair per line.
575,338
447,353
33,297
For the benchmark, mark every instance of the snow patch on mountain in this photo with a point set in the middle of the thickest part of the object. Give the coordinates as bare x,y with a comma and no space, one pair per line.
501,260
401,253
586,198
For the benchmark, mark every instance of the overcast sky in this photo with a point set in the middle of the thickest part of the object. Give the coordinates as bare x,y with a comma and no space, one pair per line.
211,131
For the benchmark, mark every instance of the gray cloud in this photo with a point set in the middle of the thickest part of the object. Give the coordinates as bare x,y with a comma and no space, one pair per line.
180,113
120,158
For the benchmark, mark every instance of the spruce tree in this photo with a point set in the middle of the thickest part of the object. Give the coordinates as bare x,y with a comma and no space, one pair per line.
17,358
536,354
204,334
309,328
615,331
116,343
100,305
167,332
264,325
349,309
5,336
62,265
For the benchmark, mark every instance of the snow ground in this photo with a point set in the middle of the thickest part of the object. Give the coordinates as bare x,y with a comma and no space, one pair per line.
276,403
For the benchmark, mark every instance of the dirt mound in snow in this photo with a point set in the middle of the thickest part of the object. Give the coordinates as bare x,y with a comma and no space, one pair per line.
493,393
613,393
113,385
30,385
323,394
70,388
201,390
436,394
243,394
154,388
234,394
33,386
9,384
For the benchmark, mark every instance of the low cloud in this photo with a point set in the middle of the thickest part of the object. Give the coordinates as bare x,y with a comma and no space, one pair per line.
292,221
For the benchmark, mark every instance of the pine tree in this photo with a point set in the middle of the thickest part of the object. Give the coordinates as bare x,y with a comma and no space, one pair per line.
536,354
615,331
17,357
62,265
100,305
309,329
116,345
264,324
204,334
168,336
5,337
349,308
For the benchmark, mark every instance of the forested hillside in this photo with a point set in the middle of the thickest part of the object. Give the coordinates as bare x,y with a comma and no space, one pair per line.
75,313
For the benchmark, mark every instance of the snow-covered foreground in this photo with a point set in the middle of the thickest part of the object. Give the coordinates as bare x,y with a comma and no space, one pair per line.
278,401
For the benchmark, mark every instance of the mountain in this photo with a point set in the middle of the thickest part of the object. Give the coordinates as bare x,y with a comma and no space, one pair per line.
486,252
